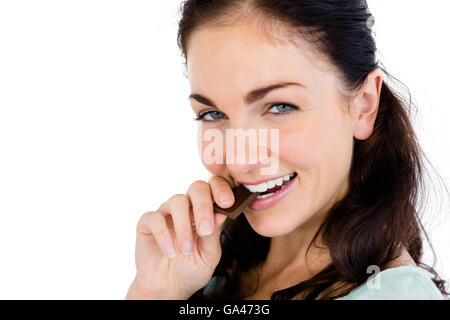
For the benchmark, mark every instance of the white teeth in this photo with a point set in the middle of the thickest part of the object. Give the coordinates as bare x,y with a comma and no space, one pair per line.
270,184
264,196
279,181
263,187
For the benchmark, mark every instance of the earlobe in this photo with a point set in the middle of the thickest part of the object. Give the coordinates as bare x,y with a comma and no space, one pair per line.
368,104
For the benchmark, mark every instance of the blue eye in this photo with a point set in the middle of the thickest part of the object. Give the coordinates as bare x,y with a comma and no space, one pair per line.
282,108
215,115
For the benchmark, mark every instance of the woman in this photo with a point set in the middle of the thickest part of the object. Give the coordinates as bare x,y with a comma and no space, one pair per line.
345,142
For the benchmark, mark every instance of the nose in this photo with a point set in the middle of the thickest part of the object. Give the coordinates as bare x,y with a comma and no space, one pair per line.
245,151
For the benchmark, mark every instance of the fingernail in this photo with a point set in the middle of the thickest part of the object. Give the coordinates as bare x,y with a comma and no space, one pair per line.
225,198
170,250
186,247
205,228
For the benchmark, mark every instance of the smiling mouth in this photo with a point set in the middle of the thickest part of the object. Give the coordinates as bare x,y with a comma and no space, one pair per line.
270,187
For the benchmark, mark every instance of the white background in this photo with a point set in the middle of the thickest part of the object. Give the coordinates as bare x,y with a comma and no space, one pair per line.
96,128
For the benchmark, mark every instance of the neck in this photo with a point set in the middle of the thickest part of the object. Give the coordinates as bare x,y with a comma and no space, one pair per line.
289,252
289,256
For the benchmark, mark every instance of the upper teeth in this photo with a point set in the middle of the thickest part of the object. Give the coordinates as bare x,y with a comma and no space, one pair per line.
264,186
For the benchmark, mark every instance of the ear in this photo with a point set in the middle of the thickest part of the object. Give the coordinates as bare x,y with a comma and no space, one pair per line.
366,105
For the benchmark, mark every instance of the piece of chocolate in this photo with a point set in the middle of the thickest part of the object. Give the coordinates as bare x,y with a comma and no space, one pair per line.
242,198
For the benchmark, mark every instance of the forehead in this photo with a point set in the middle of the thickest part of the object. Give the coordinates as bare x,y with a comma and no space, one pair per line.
242,57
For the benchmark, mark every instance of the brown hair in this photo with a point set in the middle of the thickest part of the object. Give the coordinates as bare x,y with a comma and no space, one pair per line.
379,214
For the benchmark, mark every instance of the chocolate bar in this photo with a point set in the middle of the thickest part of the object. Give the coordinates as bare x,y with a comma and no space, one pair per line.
242,198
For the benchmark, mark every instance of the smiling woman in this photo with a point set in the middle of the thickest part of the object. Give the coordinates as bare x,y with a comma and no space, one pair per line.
343,200
353,148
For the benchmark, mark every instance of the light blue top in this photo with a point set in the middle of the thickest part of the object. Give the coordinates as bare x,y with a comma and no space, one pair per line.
400,283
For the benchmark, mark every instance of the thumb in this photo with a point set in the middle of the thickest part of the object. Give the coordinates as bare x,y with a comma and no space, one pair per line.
209,246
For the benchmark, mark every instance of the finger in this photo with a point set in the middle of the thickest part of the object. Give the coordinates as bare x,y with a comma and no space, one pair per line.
219,220
200,196
179,207
209,247
154,224
222,193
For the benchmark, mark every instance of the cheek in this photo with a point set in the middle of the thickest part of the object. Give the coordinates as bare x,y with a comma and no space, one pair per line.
209,147
321,141
303,147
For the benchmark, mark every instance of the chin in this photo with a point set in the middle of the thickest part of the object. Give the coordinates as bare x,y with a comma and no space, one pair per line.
272,225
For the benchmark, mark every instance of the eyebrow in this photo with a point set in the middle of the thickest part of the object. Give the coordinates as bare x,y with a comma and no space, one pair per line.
250,97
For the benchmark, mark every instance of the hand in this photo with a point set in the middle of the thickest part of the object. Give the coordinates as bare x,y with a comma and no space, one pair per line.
178,246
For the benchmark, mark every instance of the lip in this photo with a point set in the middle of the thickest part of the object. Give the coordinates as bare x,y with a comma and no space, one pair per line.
238,183
266,203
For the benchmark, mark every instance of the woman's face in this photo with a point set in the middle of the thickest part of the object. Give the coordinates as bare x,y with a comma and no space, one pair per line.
315,141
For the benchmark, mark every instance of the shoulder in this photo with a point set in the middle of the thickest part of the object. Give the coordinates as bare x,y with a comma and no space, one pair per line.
399,283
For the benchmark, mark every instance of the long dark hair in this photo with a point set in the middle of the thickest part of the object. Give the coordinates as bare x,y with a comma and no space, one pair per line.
380,213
